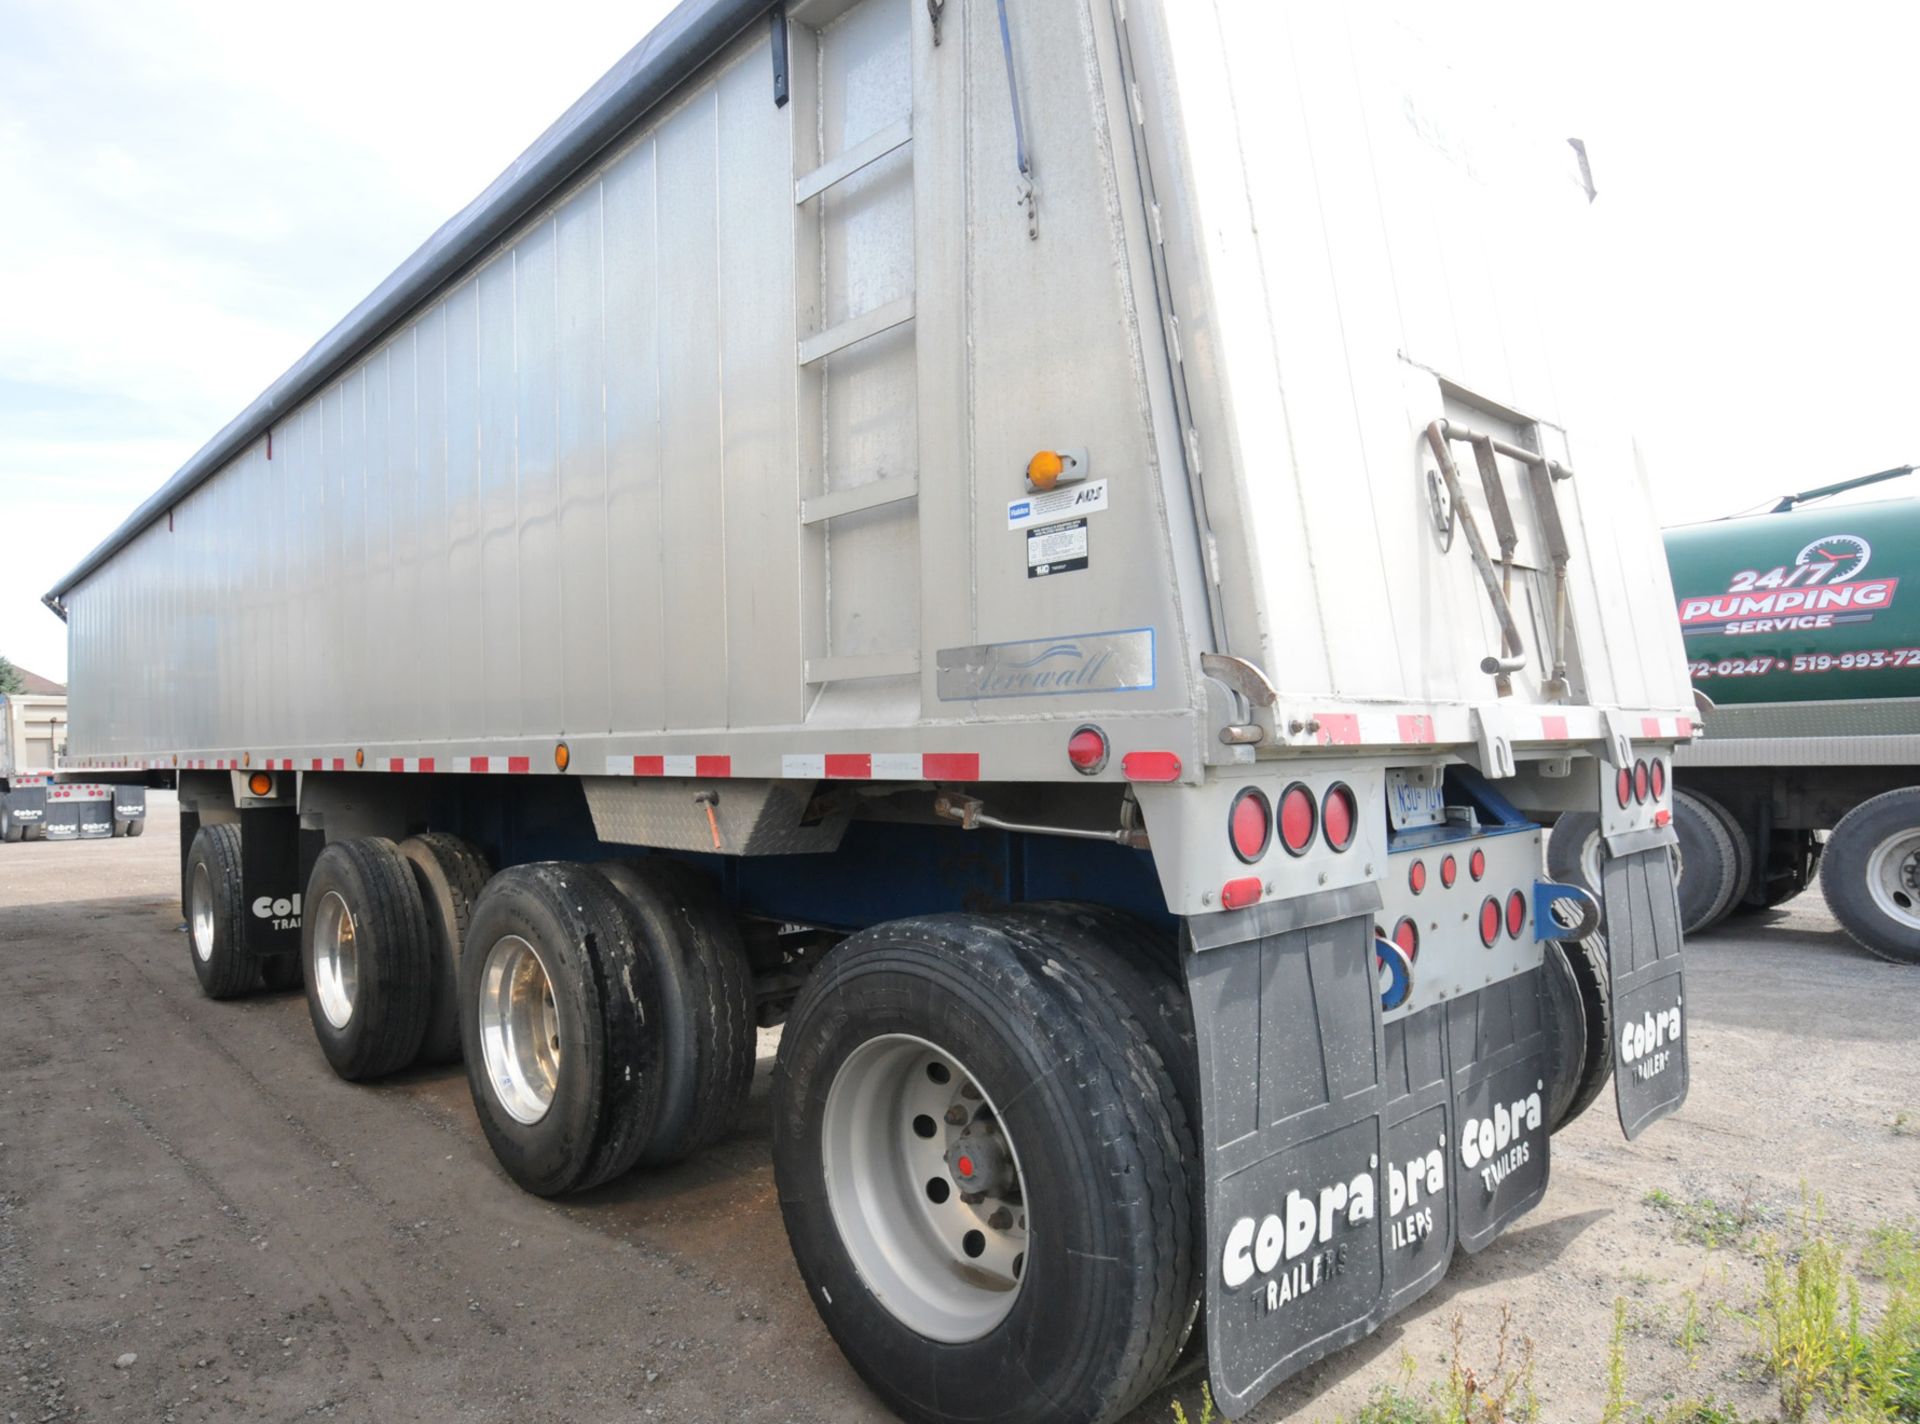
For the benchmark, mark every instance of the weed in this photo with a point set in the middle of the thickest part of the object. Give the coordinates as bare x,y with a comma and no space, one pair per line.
1502,1395
1614,1411
1707,1221
1903,1125
1206,1407
1693,1331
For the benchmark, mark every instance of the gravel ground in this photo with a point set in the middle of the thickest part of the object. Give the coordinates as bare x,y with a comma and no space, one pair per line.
199,1222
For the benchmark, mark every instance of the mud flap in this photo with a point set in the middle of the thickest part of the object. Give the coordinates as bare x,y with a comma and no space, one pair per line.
1643,946
1345,1157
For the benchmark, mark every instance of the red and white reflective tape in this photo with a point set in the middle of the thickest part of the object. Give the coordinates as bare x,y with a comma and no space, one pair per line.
491,765
1665,727
1352,729
712,767
882,766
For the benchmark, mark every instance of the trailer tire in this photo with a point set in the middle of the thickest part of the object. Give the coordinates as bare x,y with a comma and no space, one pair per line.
216,923
11,831
34,831
1101,1297
1709,865
1742,847
1577,994
119,828
706,1025
451,873
365,958
558,1007
1575,851
137,826
1870,874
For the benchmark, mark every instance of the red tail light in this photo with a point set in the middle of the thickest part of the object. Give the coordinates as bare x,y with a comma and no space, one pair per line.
1298,819
1151,766
1449,871
1417,877
1657,778
1339,815
1237,894
1489,921
1477,864
1087,749
1639,781
1250,824
1516,913
1623,787
1406,934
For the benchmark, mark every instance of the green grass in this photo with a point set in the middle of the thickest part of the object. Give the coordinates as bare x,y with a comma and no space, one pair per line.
1708,1221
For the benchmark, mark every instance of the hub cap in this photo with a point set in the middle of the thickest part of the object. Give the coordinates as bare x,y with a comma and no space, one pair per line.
200,908
925,1187
336,959
1893,878
519,1029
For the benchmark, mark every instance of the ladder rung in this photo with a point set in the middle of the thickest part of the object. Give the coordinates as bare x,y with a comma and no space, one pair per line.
862,665
882,318
871,495
845,165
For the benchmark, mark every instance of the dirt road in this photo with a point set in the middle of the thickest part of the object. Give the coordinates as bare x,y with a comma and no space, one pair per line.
187,1184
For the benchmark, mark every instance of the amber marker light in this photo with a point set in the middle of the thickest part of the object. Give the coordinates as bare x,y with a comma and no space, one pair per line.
1044,469
260,784
561,756
359,756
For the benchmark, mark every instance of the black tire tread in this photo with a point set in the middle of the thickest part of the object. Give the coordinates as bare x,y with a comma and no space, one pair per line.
1843,876
462,871
229,973
1587,960
396,969
1743,867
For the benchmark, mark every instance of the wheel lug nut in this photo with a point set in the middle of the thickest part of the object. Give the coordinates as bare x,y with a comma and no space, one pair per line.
957,1115
971,1093
1001,1220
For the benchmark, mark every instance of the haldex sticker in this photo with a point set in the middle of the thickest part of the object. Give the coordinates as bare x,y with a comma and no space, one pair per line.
1057,504
1056,548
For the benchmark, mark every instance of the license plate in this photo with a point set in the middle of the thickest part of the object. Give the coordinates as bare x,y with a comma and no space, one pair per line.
1414,797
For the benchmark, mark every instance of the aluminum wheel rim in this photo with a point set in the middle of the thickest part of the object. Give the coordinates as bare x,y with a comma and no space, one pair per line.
336,959
519,1029
947,1262
1893,878
1593,861
200,911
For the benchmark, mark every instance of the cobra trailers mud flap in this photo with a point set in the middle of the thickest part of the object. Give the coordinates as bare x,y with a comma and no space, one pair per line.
1649,995
1346,1155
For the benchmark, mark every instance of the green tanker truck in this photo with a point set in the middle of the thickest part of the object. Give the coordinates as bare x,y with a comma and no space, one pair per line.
1802,631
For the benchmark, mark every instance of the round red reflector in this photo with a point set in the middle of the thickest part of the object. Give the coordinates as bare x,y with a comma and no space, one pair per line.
1657,778
1297,818
1417,877
1489,921
1639,781
1516,913
1477,864
1339,815
1406,934
1623,787
1087,749
1449,871
1250,824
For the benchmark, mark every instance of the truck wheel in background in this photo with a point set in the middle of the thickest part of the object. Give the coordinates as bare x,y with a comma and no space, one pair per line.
1705,861
1871,874
1581,1015
450,874
34,832
559,1011
364,949
941,1078
706,1025
216,924
119,828
136,827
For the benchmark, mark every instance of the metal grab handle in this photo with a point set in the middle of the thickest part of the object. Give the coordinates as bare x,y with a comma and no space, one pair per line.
1476,546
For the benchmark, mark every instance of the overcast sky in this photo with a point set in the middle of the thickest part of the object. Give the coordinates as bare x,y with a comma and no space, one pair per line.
193,191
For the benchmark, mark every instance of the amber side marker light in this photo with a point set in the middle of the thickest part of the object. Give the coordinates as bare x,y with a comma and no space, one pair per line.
1044,469
260,784
561,756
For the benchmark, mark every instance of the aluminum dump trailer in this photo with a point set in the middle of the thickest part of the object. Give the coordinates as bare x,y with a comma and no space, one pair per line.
38,801
1067,554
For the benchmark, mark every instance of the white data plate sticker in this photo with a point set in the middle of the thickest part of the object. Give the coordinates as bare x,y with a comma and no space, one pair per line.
1057,548
1058,504
1414,797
